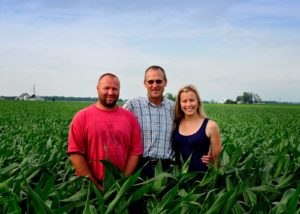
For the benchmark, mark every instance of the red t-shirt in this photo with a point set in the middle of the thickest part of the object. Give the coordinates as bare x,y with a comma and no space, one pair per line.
112,135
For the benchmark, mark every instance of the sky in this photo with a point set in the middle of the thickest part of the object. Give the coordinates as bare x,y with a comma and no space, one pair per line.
224,48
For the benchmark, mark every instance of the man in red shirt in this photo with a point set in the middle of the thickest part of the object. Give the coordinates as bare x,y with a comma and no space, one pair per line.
104,131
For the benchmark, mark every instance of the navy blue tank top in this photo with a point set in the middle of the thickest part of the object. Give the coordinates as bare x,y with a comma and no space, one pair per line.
196,145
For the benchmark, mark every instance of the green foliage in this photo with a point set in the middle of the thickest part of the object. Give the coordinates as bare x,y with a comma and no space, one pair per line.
248,98
259,170
170,96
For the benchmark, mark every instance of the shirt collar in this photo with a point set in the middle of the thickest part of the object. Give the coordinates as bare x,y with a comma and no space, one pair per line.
152,104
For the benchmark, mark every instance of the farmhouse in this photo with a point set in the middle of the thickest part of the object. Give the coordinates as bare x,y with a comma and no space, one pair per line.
23,96
26,96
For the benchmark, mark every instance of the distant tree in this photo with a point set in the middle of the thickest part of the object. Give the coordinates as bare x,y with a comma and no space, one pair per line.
229,101
170,96
256,98
248,98
240,99
62,98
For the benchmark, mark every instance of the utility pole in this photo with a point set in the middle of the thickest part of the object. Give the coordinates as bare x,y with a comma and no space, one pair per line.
33,90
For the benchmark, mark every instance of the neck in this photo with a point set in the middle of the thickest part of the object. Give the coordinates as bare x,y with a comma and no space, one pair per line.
193,117
157,101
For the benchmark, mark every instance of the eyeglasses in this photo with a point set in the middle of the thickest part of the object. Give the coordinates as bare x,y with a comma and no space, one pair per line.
151,82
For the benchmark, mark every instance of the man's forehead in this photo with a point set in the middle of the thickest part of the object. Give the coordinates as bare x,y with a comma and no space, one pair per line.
109,82
154,74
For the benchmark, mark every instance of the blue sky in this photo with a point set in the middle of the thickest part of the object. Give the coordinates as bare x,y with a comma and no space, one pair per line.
224,47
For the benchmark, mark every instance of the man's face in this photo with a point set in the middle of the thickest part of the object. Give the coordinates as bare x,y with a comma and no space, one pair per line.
155,83
108,89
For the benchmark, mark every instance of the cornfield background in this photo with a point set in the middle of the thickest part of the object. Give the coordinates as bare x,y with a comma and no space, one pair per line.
259,170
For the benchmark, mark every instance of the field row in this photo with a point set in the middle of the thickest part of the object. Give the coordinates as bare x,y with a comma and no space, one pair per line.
259,173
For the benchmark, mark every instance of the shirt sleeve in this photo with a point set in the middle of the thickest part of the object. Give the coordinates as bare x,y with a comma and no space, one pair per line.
128,106
76,140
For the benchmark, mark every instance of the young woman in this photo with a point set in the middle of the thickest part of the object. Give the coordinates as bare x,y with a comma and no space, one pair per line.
194,135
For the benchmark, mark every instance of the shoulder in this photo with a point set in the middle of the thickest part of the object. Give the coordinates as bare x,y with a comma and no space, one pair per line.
86,110
168,102
83,115
126,112
212,127
137,101
212,124
122,110
171,102
127,115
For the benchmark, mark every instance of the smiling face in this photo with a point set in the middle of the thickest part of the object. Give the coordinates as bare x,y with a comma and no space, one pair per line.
155,84
108,89
189,103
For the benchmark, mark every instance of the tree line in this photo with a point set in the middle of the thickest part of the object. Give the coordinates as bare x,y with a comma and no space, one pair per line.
245,98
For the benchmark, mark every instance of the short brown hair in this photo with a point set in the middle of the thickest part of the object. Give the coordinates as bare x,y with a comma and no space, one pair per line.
156,67
108,74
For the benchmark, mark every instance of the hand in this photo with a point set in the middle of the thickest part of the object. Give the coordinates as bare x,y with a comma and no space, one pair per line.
206,159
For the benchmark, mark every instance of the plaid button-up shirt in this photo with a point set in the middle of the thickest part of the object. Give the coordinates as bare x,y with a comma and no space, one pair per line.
156,125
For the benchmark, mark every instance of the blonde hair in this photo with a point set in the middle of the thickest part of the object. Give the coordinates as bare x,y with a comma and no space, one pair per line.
178,112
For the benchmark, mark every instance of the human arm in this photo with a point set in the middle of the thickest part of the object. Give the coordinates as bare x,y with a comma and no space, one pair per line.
131,164
82,168
214,135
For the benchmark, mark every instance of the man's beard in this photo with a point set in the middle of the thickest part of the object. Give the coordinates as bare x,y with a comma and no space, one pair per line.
108,105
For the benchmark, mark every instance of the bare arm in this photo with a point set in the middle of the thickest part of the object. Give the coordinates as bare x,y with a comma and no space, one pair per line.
131,164
82,168
213,133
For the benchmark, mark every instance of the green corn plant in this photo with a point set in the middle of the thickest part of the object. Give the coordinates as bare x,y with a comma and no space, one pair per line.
259,166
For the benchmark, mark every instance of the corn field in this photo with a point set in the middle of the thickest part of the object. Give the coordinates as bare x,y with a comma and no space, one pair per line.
259,166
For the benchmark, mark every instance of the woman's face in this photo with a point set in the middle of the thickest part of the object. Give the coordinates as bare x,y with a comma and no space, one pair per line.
189,103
